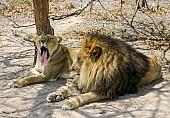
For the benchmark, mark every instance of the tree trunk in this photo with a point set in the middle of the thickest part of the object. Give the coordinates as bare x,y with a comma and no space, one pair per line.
42,22
41,10
143,4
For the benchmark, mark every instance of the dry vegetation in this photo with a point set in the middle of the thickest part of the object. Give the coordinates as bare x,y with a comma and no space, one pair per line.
149,23
147,28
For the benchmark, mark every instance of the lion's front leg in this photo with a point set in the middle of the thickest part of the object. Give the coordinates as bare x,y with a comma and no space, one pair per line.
58,95
63,92
80,100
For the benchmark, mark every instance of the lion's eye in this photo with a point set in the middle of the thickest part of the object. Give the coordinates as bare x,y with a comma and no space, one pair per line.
78,58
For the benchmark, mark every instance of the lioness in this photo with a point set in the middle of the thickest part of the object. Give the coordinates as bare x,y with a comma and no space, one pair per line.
108,67
53,61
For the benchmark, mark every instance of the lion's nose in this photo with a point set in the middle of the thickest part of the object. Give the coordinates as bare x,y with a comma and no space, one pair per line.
42,41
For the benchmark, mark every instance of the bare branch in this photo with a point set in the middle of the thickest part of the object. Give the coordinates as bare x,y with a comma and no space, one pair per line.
137,8
18,26
153,21
106,9
24,26
164,53
77,12
129,24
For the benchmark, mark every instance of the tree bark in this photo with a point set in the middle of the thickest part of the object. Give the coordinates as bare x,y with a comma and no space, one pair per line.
41,11
143,4
42,22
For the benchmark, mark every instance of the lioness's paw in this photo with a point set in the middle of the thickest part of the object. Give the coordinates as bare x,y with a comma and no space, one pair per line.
68,106
55,97
13,84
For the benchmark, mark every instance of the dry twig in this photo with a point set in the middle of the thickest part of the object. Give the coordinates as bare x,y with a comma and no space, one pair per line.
130,24
77,12
106,9
153,21
16,25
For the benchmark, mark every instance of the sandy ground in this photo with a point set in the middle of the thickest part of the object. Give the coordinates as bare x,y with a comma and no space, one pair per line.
16,56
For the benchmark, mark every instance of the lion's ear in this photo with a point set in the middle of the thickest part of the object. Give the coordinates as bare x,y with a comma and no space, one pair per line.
95,53
59,38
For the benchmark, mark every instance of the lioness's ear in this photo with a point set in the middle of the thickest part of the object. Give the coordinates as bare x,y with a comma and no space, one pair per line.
59,38
95,53
35,37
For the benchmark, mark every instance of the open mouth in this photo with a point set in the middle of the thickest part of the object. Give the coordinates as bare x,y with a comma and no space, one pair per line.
44,55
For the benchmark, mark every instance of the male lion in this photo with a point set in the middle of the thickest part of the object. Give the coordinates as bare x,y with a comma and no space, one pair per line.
53,61
108,67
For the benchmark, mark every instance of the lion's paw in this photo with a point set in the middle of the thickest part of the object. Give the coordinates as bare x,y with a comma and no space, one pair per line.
13,84
68,106
55,97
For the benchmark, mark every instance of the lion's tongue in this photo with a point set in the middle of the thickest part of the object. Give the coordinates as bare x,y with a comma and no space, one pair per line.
44,57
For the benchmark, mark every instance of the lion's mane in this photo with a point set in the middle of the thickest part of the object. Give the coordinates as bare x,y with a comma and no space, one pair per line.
111,67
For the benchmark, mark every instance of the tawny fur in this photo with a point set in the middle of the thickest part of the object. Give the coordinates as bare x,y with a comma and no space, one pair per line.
111,67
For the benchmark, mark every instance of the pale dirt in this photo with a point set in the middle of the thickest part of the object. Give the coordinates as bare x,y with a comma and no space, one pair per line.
16,55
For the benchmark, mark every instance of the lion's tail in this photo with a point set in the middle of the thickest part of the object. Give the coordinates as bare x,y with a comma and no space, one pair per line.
154,72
